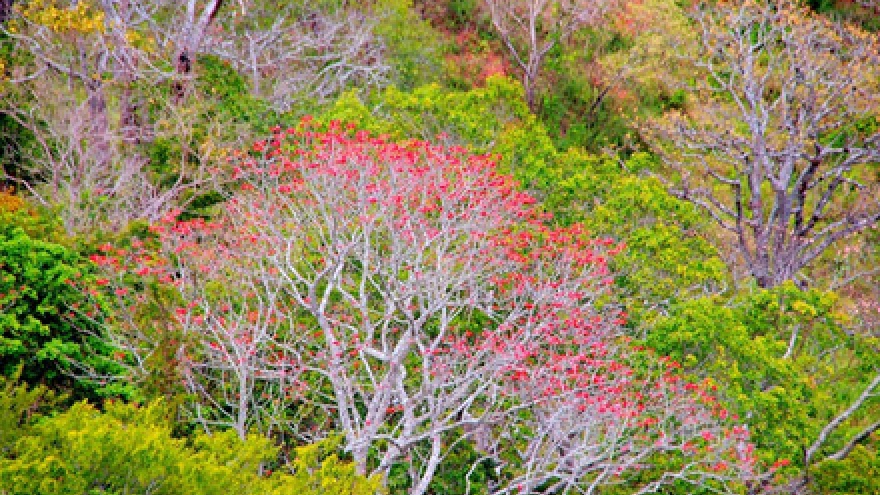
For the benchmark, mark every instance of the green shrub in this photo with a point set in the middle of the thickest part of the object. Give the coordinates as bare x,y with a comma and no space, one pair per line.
48,327
858,474
491,119
786,388
411,42
130,449
19,406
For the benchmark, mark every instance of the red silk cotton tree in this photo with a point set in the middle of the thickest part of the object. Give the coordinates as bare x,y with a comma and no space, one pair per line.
415,295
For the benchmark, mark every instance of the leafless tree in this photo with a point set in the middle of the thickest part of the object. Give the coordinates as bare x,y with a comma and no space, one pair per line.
290,53
106,186
100,39
89,78
778,147
86,75
531,28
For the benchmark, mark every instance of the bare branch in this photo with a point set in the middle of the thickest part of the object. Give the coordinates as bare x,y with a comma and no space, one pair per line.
870,391
771,145
531,28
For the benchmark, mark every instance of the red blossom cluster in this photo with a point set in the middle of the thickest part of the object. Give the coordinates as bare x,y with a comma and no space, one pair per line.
424,298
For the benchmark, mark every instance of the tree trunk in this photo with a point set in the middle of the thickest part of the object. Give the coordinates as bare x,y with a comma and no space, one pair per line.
99,123
129,120
359,456
195,29
243,409
433,461
183,70
529,86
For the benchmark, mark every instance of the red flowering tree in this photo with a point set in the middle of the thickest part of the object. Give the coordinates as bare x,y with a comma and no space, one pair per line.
417,297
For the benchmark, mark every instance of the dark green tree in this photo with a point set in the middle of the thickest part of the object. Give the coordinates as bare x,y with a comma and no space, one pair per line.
48,329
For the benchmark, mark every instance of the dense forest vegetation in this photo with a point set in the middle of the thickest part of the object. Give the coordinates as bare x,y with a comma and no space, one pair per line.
439,247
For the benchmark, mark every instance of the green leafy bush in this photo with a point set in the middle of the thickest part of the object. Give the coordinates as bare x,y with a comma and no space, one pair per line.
411,42
19,405
858,474
665,259
783,360
490,119
130,449
47,325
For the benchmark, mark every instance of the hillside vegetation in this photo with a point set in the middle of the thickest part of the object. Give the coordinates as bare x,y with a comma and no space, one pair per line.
454,247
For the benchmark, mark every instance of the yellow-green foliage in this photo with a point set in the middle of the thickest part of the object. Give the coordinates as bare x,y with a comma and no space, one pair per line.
665,260
131,450
316,470
787,392
490,119
411,42
18,405
858,474
63,17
